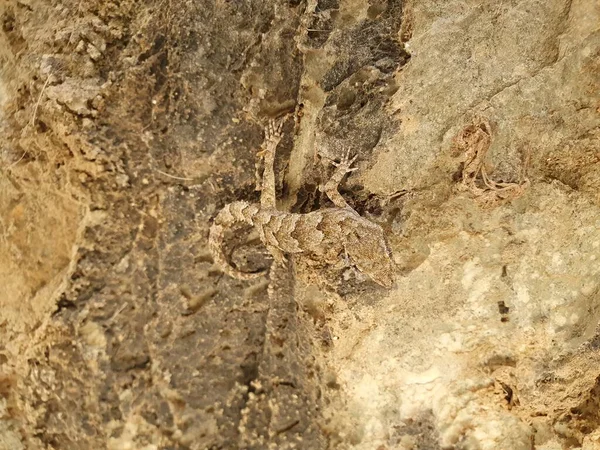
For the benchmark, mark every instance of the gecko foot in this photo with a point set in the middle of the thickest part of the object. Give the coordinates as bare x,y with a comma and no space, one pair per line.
341,168
345,163
273,134
278,256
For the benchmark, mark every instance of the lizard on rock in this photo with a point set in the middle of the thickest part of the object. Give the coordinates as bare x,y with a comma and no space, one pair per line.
333,236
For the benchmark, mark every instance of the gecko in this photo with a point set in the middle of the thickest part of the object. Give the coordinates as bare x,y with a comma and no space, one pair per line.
335,236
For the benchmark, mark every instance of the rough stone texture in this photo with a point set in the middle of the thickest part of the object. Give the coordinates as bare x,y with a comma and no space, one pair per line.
125,126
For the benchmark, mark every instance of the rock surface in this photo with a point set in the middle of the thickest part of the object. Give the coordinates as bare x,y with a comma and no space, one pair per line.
125,126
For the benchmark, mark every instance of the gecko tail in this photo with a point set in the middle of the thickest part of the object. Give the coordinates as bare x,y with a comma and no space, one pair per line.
229,215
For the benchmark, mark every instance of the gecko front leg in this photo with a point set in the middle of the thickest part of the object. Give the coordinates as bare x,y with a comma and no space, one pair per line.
331,187
272,138
267,197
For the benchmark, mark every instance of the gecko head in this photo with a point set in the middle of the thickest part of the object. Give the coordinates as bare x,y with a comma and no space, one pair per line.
383,273
369,251
379,265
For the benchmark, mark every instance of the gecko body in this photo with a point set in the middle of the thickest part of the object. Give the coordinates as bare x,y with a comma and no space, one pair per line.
333,236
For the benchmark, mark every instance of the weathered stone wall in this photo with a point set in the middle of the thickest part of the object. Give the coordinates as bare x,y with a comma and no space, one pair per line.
125,126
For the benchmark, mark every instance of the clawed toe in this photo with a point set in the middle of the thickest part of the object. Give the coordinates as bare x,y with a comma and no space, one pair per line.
346,162
273,134
274,128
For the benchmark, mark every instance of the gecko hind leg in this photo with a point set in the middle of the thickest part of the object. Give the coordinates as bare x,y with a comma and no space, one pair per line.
331,187
278,256
272,137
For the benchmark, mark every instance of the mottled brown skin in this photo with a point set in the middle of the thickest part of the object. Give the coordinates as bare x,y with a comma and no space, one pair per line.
334,236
